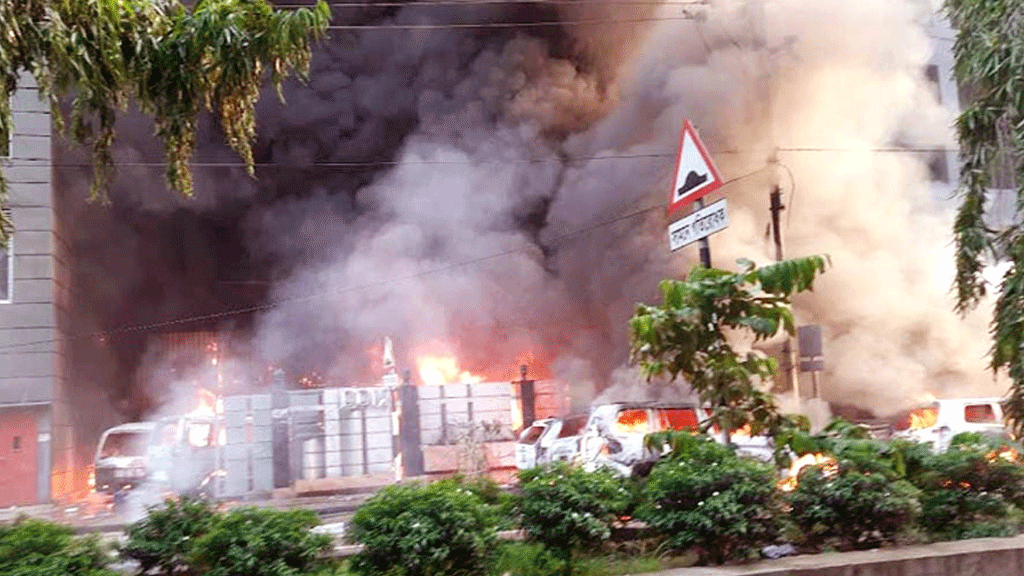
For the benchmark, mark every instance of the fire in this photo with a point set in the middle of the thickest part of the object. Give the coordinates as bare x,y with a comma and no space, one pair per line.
1006,453
923,418
828,464
632,422
435,370
208,404
745,431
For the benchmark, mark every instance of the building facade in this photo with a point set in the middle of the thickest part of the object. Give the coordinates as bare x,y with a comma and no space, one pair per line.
36,460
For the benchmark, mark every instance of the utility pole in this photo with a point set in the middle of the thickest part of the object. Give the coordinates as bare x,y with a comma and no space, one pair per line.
776,207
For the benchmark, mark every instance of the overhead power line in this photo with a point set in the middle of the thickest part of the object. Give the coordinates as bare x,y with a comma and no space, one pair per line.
7,349
457,25
45,162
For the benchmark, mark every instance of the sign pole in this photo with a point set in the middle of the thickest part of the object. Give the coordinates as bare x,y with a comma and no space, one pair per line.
705,246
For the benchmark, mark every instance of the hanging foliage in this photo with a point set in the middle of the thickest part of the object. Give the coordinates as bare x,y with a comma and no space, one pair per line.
989,63
171,59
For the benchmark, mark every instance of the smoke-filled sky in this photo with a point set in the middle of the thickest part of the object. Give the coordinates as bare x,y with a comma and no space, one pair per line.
464,190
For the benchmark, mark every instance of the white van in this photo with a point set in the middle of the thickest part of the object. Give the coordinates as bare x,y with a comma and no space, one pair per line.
122,457
938,421
614,435
177,454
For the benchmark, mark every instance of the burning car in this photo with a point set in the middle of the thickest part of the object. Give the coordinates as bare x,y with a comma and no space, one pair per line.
938,421
550,440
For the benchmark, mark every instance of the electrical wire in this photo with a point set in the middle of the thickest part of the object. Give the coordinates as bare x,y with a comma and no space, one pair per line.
5,349
45,162
792,192
459,25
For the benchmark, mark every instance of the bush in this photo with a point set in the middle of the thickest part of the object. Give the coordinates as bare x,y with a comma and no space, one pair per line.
972,488
708,499
260,542
165,537
526,559
414,530
36,548
491,493
852,509
564,507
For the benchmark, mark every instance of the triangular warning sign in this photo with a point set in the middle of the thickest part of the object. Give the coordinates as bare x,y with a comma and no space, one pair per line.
695,174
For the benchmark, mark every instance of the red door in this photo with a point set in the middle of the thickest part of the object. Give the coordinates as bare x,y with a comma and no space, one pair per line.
18,474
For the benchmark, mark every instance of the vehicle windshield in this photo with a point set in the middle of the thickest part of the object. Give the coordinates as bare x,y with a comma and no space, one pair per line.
532,434
124,444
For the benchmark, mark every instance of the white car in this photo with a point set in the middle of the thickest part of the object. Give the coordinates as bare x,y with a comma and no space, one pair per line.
549,440
938,421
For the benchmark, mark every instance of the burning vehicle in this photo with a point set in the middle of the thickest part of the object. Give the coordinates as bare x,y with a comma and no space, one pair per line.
550,440
174,454
614,434
937,422
122,457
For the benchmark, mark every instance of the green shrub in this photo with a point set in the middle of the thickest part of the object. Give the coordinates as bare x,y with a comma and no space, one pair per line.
852,509
526,559
971,489
31,547
565,508
414,530
165,537
260,542
492,494
708,499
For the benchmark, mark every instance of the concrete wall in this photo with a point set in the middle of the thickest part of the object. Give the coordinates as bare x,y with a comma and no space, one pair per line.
980,557
31,365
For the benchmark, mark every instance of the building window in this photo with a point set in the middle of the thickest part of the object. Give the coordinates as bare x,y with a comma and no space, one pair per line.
16,443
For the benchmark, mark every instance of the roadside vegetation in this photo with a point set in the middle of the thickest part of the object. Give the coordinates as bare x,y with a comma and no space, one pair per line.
702,503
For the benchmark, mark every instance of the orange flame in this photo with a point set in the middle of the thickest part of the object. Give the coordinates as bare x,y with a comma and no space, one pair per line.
632,422
745,431
1006,453
208,402
828,464
923,418
442,367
